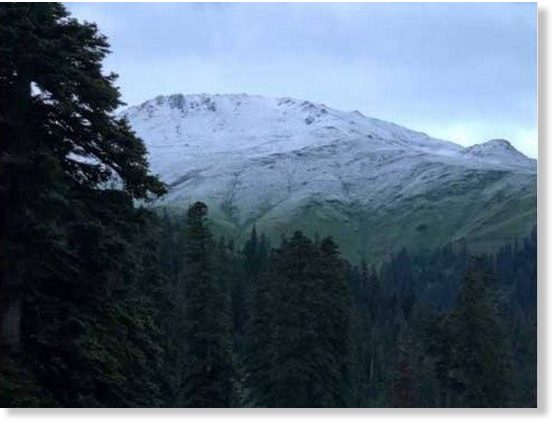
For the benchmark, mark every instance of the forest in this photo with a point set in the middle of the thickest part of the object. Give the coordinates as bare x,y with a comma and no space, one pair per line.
106,301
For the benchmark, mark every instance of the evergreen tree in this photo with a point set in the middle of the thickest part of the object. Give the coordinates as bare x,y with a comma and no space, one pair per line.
208,358
335,318
70,260
243,286
307,360
293,371
260,349
479,361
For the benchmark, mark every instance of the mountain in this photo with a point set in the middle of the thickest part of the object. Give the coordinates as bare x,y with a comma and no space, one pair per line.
284,164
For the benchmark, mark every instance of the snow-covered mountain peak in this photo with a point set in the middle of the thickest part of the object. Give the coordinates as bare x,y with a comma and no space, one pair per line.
285,163
495,145
239,121
179,126
499,151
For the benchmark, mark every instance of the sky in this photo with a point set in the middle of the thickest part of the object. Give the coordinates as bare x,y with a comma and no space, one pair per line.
464,72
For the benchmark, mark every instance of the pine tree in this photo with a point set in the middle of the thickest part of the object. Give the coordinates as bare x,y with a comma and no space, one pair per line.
68,241
208,358
479,360
370,339
304,358
338,314
260,348
293,370
243,287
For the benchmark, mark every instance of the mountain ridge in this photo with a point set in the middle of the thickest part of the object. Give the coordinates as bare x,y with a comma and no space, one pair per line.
284,163
179,100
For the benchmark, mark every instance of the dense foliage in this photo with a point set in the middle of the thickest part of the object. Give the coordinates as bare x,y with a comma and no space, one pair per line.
79,295
105,303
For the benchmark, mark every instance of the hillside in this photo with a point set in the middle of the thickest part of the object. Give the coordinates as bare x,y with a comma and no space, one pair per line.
284,164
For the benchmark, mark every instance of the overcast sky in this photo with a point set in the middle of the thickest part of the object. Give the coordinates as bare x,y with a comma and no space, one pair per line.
465,72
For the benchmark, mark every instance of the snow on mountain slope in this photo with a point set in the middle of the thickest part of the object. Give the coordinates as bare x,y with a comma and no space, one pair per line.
284,163
499,152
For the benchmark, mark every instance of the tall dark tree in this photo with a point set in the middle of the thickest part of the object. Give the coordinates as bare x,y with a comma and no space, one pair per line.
303,359
208,358
69,173
59,134
294,372
479,354
335,319
259,347
243,286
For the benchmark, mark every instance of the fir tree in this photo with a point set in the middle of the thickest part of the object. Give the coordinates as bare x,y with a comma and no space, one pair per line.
260,349
479,357
67,238
307,360
208,362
